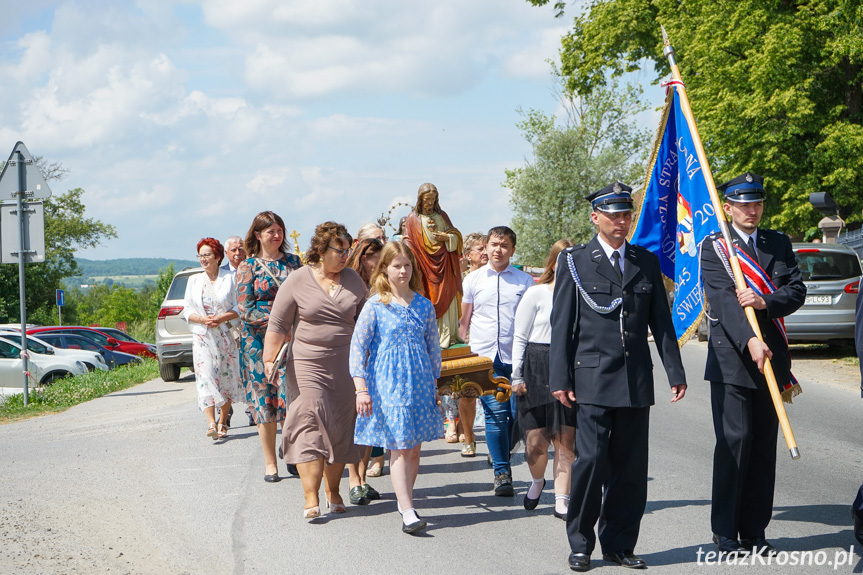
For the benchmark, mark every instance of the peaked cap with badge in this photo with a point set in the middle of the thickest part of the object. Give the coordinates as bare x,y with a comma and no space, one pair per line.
611,199
744,189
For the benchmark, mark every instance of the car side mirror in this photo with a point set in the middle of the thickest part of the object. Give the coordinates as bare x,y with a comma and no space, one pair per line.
113,342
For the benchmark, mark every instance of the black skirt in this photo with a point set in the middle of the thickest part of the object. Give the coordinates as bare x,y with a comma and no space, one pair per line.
538,409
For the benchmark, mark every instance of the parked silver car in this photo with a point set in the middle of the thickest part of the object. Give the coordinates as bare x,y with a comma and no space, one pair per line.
831,273
173,337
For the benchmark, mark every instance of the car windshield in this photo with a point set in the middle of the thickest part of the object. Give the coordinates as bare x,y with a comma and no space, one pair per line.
823,265
99,338
31,344
82,343
121,335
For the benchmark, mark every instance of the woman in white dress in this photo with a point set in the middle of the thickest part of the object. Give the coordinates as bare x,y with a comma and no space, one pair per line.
210,305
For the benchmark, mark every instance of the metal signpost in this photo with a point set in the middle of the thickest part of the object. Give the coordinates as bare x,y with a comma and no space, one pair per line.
61,301
24,181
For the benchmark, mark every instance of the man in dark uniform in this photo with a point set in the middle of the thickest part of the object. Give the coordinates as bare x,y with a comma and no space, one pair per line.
606,295
744,419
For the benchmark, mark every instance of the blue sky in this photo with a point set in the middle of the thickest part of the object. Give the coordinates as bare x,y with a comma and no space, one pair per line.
185,119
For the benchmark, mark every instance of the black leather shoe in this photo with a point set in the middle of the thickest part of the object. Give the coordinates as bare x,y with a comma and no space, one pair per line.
274,478
625,559
579,561
759,546
292,469
560,515
727,545
370,492
530,504
356,496
415,527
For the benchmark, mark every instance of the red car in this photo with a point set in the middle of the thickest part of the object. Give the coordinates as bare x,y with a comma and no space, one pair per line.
112,343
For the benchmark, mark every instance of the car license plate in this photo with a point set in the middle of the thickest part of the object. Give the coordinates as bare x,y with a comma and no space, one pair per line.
818,299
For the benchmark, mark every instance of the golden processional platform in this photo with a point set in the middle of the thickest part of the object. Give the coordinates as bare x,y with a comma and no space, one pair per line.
466,374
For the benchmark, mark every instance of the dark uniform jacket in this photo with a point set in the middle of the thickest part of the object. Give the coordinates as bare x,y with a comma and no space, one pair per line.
588,355
728,359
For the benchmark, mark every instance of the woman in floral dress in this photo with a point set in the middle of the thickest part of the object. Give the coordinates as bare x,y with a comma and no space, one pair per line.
258,281
395,362
210,303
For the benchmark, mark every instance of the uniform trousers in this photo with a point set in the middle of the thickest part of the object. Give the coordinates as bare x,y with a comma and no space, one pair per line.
609,478
744,460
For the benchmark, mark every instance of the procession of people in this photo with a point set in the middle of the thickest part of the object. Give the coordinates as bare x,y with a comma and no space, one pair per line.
343,350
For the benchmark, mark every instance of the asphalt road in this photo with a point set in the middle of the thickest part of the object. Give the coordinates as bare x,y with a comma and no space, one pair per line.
130,484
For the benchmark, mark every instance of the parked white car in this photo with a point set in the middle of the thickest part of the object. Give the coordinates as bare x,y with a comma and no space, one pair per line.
44,369
91,359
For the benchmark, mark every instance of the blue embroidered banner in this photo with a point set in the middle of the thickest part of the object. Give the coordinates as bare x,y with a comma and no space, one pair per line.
676,214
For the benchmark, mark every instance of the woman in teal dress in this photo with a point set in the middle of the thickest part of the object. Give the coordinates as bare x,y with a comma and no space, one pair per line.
395,362
258,281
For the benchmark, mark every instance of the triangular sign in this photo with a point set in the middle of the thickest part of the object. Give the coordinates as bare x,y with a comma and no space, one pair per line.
35,185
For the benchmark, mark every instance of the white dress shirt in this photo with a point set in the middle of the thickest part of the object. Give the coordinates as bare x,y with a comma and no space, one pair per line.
495,297
610,250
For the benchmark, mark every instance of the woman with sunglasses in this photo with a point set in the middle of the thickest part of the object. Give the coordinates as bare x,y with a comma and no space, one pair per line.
318,307
364,259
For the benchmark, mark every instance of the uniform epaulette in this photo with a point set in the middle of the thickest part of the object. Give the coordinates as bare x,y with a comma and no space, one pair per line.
576,247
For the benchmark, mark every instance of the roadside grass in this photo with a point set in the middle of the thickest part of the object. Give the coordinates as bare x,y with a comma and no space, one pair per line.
65,393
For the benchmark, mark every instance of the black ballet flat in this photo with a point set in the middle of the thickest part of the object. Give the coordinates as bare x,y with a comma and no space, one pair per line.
274,478
530,504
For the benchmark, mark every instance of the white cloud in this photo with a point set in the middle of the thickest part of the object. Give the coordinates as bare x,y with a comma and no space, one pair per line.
317,109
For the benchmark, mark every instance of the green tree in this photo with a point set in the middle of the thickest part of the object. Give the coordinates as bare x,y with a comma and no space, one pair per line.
776,87
596,144
66,230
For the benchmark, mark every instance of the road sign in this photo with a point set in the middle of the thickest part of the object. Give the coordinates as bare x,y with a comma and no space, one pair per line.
61,298
35,186
33,214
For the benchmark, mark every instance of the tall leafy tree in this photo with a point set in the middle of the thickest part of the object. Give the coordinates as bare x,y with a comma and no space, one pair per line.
594,144
776,86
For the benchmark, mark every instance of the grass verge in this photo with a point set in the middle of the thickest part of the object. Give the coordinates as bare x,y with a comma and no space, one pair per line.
71,391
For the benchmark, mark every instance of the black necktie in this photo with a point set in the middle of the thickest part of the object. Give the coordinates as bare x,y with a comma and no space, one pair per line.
752,252
615,263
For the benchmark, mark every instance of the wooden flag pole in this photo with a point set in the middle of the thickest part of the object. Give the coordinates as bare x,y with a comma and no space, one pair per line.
732,255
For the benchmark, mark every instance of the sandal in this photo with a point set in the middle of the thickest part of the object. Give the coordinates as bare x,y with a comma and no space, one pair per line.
223,431
376,469
451,436
337,507
468,449
312,512
211,431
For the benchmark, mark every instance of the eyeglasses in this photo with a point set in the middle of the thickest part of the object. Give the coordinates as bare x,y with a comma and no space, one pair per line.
342,253
206,256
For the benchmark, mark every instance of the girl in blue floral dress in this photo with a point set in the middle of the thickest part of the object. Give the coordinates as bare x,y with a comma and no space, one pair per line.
395,362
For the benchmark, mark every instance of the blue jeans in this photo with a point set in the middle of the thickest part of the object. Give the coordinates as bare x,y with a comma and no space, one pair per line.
499,418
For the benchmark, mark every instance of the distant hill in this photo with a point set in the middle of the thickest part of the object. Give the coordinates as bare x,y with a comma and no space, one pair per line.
130,266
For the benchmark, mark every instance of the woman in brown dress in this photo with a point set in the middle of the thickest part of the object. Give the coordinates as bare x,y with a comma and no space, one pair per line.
319,304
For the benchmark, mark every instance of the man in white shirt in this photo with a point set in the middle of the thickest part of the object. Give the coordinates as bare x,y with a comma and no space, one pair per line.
490,297
234,252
